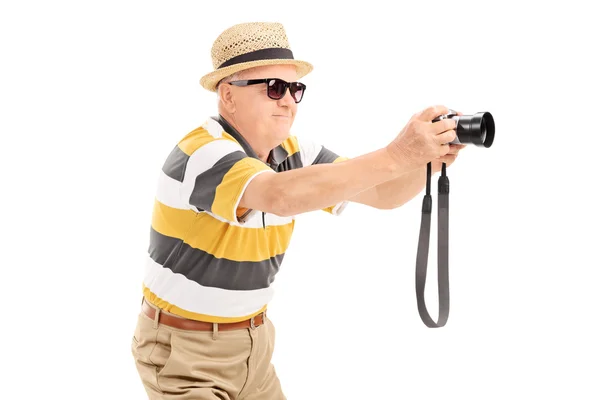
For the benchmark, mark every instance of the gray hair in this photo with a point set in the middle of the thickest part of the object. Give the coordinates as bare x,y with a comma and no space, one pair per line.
233,77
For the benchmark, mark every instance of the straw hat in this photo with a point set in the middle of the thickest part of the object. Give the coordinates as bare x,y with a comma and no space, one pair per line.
250,45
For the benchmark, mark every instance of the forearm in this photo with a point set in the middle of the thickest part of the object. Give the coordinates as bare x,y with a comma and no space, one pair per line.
399,191
318,186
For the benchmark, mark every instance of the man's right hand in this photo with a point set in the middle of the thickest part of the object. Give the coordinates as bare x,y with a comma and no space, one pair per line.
422,141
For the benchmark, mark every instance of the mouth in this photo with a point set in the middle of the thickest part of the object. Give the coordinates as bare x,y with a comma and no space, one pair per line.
282,116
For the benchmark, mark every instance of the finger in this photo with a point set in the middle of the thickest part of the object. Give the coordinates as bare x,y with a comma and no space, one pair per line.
443,125
455,148
448,158
446,137
430,113
455,112
444,148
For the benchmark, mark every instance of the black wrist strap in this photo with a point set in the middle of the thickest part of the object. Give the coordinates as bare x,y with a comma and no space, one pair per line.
423,250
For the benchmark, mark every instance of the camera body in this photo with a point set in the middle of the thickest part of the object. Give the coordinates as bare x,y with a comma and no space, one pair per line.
478,129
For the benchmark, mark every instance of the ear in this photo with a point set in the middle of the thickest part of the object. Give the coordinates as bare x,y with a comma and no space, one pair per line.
226,97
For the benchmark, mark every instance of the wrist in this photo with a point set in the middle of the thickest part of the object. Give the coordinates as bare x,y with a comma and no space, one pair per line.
398,159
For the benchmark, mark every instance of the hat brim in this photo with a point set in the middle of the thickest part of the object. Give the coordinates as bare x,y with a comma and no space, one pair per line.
210,81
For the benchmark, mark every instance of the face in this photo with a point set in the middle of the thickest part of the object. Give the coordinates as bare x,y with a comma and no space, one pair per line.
257,114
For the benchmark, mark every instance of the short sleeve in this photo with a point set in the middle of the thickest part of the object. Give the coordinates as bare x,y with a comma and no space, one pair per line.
312,153
216,176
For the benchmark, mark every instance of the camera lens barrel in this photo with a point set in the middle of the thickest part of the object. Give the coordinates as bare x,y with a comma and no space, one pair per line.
478,129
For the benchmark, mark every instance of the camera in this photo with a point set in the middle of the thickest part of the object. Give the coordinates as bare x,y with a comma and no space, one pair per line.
477,129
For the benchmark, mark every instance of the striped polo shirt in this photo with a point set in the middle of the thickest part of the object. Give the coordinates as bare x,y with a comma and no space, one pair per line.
208,258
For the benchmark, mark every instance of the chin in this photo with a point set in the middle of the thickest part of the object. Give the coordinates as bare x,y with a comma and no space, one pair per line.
283,134
281,130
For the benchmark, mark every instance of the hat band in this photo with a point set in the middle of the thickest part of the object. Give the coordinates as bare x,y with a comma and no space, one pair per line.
263,54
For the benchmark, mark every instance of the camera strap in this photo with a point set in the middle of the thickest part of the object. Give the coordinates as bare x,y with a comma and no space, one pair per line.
423,250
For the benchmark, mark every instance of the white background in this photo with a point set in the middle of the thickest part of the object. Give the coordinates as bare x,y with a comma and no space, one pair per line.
94,95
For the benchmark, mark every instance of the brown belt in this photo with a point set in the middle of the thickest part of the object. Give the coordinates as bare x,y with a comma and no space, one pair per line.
192,325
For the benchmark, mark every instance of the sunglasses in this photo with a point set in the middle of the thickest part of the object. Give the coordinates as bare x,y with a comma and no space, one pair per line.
276,87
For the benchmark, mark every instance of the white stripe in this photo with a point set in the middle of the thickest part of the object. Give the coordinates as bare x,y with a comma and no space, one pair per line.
237,203
309,151
190,296
339,207
213,127
270,220
255,220
203,159
167,192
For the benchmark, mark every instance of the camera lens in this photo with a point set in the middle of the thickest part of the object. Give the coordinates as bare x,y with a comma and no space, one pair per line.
483,130
488,129
477,129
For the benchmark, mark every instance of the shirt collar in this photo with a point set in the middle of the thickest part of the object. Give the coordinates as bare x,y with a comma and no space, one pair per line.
276,155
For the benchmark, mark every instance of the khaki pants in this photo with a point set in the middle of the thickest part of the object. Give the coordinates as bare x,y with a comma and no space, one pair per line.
225,365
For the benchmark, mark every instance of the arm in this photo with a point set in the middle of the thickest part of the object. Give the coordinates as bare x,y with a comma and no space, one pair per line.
393,193
318,186
399,191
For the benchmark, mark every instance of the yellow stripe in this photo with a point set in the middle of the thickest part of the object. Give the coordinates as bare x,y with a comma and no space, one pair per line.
172,222
230,190
195,139
222,240
329,209
291,145
168,307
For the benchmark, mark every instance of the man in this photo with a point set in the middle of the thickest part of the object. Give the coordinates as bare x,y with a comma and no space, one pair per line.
224,215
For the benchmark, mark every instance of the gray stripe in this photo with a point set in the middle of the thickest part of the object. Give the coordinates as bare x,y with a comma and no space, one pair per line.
207,270
325,156
175,164
206,184
292,162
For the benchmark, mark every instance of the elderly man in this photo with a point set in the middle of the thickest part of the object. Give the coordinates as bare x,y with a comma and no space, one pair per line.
224,215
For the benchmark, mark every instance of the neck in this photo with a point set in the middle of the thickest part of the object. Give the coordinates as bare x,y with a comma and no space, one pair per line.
261,148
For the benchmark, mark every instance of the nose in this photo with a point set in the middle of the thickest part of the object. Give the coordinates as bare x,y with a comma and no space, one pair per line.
287,100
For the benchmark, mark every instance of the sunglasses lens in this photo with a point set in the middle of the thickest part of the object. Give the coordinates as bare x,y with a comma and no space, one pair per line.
276,89
297,90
